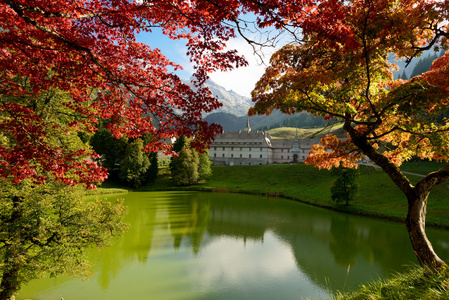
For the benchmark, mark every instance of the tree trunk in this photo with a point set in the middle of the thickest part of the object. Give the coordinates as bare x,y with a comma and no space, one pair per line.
416,223
10,282
9,285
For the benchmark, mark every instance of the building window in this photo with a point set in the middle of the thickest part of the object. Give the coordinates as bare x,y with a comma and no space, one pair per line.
223,148
249,148
302,150
215,154
288,150
215,148
282,150
261,149
232,155
223,154
241,148
232,148
240,156
282,156
261,156
288,157
250,156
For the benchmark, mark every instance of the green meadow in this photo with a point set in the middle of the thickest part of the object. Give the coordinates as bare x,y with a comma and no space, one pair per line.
377,194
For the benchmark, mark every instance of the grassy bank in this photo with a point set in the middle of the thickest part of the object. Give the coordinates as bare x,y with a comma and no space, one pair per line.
377,196
414,284
105,191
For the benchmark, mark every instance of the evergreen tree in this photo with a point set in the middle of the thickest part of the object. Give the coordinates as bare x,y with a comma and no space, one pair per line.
153,170
179,144
404,76
344,188
110,149
424,63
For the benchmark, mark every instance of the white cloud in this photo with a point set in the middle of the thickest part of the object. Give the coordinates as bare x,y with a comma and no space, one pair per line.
243,79
228,261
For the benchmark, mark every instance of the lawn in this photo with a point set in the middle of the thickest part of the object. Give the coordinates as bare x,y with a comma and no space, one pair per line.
377,196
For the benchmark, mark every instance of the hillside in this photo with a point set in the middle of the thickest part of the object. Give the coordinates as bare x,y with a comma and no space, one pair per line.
290,132
230,122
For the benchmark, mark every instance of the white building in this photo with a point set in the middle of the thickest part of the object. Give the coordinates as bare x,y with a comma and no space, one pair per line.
248,147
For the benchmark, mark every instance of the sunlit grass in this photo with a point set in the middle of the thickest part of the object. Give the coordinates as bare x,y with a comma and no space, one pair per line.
290,132
378,196
417,283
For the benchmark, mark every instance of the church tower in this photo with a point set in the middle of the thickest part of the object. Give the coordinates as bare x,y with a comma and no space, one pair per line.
247,128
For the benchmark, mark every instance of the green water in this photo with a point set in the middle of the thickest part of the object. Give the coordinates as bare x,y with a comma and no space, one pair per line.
232,246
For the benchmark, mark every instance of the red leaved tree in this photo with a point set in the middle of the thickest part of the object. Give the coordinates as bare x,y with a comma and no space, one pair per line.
89,50
339,69
64,65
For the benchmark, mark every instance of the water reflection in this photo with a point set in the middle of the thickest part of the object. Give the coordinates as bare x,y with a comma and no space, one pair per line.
225,246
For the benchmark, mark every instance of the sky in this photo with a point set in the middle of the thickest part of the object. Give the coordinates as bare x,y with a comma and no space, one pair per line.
241,80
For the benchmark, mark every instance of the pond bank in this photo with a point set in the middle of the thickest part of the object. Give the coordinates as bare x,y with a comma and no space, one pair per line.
378,197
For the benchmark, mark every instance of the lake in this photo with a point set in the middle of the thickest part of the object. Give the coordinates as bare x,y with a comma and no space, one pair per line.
191,245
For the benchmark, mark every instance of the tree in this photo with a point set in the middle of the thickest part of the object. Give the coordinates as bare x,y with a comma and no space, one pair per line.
45,223
89,50
110,149
179,144
45,229
204,166
190,166
67,65
134,165
184,167
423,64
339,69
153,170
345,187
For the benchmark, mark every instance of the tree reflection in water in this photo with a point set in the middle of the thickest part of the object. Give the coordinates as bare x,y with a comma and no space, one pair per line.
187,245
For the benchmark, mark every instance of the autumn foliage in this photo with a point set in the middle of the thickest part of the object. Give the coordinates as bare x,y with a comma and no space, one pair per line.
341,68
66,64
88,50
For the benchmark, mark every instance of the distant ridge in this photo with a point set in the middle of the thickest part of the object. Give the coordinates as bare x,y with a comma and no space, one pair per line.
233,103
230,122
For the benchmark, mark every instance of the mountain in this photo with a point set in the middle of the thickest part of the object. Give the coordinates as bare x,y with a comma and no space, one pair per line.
230,122
233,103
410,71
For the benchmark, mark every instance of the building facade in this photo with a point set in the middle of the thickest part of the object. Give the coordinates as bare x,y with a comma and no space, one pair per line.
248,147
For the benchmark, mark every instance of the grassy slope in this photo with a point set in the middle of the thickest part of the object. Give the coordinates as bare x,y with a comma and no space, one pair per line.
377,196
290,132
414,284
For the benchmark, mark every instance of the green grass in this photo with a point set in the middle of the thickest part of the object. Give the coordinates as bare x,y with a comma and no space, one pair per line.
416,283
290,132
103,191
377,196
422,167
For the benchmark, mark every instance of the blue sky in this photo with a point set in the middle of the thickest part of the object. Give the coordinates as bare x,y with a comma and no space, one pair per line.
241,80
